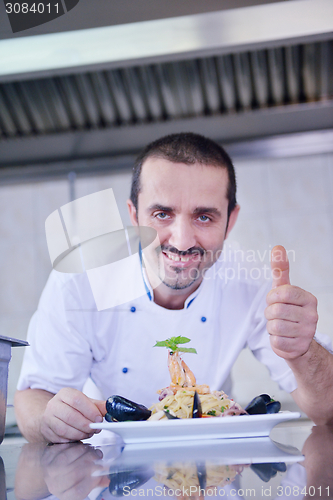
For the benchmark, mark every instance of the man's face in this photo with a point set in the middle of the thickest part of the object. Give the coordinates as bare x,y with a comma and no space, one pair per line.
188,207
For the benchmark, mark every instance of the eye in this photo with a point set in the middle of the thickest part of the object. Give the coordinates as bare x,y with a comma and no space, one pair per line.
204,218
161,215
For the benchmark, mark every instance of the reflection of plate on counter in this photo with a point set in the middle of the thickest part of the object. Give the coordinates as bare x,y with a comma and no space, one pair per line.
242,426
222,452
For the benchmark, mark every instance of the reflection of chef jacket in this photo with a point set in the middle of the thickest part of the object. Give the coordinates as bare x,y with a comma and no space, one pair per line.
71,340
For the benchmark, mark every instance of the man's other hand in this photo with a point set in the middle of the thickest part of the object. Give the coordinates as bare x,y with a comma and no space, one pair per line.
291,312
68,414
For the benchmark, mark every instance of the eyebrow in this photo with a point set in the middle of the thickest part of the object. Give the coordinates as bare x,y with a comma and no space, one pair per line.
160,207
197,211
207,210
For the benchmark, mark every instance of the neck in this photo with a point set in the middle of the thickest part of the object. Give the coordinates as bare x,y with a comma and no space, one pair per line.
165,296
173,299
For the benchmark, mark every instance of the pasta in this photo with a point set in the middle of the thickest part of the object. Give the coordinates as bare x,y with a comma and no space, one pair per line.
178,398
183,476
181,403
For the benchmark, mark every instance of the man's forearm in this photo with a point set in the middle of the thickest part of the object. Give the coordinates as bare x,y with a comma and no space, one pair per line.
314,375
30,406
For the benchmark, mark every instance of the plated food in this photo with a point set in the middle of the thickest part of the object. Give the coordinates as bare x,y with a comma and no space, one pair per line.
184,398
204,477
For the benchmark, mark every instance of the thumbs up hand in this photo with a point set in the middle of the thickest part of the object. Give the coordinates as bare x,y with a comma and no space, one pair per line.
291,312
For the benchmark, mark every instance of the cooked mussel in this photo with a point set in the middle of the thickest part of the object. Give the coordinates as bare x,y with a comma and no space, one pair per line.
273,407
197,410
263,404
120,409
256,406
108,418
170,416
267,471
279,466
202,474
129,479
266,398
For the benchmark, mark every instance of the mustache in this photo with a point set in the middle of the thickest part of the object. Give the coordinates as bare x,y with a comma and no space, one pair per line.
182,253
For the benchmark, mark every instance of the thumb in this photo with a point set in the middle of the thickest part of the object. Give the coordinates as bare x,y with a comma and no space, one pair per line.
280,266
101,405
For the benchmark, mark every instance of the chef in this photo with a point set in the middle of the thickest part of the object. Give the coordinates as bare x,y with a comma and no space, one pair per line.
184,187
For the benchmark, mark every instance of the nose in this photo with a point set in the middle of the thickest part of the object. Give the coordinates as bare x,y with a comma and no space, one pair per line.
182,234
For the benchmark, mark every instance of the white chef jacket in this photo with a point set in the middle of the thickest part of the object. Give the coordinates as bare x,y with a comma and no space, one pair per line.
70,340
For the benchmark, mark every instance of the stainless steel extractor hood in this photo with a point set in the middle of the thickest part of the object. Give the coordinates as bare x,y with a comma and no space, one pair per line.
232,75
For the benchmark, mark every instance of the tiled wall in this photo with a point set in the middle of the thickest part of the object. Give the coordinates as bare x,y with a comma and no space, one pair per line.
283,201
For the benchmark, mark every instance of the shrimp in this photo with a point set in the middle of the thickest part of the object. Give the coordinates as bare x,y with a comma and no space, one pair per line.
173,388
190,379
180,373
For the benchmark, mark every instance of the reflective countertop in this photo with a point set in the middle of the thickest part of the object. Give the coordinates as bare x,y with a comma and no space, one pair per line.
296,461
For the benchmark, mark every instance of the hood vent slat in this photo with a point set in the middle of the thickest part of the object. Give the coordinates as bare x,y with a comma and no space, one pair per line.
212,85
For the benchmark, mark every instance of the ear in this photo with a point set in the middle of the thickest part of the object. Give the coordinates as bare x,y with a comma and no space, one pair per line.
132,213
232,220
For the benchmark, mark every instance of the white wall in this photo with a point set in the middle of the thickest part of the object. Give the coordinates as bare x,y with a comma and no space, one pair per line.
287,202
24,259
283,201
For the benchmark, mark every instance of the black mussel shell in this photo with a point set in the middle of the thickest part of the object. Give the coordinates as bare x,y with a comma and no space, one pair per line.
279,466
267,471
131,479
266,398
264,471
202,475
257,406
108,418
197,410
263,404
273,407
170,416
122,409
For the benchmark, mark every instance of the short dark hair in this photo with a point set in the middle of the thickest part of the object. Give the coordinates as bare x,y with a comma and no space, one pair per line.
188,148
